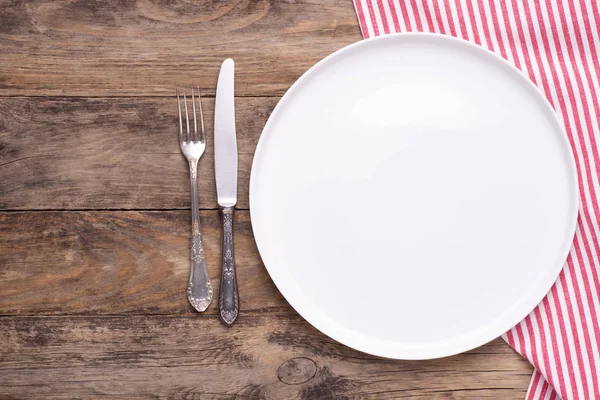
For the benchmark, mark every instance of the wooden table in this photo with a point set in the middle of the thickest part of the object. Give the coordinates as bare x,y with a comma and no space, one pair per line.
95,220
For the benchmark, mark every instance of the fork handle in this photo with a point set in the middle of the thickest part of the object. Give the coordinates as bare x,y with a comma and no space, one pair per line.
228,293
200,290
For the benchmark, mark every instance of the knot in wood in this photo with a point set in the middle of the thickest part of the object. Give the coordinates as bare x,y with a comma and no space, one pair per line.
297,370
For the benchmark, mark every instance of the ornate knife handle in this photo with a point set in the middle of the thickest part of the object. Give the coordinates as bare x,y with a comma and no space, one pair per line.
228,295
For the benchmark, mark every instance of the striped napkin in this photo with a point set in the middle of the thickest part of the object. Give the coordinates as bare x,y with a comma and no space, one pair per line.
556,44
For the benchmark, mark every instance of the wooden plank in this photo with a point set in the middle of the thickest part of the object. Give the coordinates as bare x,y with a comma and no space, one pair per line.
259,357
137,48
75,153
119,262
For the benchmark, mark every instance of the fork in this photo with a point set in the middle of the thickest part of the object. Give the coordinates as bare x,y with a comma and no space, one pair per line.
199,290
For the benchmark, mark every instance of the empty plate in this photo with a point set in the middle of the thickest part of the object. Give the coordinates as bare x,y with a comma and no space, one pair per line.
413,196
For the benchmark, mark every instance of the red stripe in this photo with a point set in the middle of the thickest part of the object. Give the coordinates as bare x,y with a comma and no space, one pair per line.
534,356
519,331
413,5
544,342
595,11
587,345
373,19
473,21
511,38
555,78
405,16
510,338
395,19
521,35
590,287
533,385
361,18
544,390
449,17
438,16
565,346
428,16
497,30
585,324
485,23
461,20
386,28
537,55
552,332
572,327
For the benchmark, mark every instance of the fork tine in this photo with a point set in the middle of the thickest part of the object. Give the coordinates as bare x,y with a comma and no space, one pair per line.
195,137
203,138
187,117
180,121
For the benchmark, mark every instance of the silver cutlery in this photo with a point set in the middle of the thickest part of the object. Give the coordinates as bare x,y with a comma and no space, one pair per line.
199,290
226,159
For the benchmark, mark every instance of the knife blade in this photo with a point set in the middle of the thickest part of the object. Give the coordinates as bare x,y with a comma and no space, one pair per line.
226,157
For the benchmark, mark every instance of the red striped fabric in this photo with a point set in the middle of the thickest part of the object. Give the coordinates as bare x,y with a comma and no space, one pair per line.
556,44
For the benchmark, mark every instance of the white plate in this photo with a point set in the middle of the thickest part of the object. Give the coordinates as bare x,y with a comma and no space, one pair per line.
413,196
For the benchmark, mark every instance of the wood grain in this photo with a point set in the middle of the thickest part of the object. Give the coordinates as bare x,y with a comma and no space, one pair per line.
120,262
111,153
199,358
147,47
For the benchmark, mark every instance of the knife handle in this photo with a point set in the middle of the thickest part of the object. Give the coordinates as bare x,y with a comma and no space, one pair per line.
228,295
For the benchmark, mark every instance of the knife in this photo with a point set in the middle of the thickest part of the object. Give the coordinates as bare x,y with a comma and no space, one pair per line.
226,166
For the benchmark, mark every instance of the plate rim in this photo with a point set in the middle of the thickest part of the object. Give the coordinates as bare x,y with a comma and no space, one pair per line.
541,290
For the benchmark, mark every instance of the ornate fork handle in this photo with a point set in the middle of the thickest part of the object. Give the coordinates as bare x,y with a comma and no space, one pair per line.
228,294
200,290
